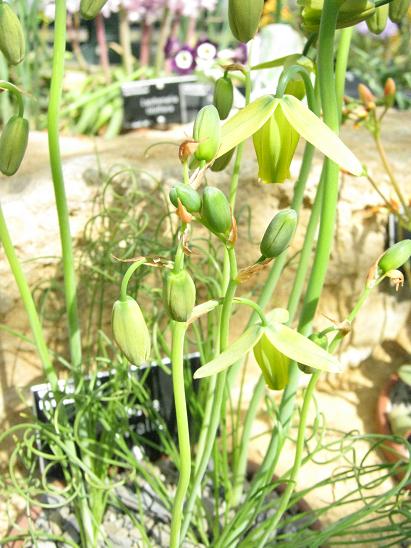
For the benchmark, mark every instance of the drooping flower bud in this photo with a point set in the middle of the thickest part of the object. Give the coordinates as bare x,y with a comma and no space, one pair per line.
378,20
366,96
179,295
222,162
275,145
223,96
130,331
89,9
189,197
244,17
395,257
350,13
389,92
13,144
322,341
207,133
279,233
398,10
274,365
216,210
11,35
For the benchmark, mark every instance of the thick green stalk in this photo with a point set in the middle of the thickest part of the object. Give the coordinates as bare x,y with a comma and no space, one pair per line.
28,302
59,190
177,366
218,396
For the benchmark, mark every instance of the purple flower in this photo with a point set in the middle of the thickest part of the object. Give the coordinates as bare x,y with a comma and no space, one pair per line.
390,30
172,47
240,54
184,61
206,50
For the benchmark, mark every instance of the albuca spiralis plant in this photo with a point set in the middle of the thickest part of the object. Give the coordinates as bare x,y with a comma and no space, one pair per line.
284,345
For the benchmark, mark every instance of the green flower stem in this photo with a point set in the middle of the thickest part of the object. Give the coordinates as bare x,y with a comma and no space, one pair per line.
125,40
341,64
177,365
257,309
28,302
59,190
127,277
240,149
218,399
17,94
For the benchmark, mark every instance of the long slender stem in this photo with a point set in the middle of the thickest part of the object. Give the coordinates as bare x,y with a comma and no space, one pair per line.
17,94
102,47
28,302
177,364
125,39
59,190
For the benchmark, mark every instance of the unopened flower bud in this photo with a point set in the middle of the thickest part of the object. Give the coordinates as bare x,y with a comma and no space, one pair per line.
322,341
223,96
279,233
11,35
244,17
216,210
389,92
179,295
189,197
366,96
207,133
395,257
89,9
398,10
130,331
222,162
378,20
273,364
13,144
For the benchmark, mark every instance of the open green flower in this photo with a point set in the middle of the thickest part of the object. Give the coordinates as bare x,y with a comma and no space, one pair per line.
287,343
295,117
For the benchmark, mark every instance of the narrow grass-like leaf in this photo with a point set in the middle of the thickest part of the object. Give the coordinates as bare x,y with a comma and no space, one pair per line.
277,62
299,348
234,352
319,134
246,122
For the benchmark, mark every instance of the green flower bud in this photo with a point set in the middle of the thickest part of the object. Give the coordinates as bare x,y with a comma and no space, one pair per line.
398,10
350,13
13,144
179,295
223,96
395,257
207,133
279,233
244,17
130,331
322,341
273,364
189,197
89,9
222,162
11,35
275,145
216,210
378,21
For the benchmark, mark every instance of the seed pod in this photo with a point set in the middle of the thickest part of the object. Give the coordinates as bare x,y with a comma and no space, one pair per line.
13,144
179,295
207,133
222,162
130,331
322,341
279,233
378,21
223,96
274,365
395,257
275,145
216,210
398,10
89,9
244,17
11,35
189,197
